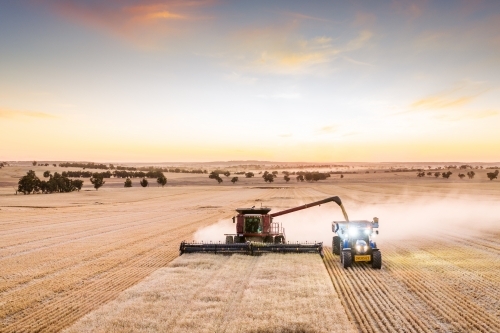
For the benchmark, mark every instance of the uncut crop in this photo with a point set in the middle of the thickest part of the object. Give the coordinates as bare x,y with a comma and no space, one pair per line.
214,293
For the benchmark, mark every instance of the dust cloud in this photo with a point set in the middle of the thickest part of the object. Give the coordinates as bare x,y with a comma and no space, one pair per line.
418,218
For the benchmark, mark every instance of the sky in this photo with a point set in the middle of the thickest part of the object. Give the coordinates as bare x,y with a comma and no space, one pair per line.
208,80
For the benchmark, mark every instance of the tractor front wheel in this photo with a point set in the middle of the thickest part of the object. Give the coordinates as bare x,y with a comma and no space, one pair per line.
347,259
336,245
376,260
229,240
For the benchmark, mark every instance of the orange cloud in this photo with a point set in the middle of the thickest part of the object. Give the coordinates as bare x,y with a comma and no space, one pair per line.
438,102
453,98
364,19
328,129
143,25
283,50
13,114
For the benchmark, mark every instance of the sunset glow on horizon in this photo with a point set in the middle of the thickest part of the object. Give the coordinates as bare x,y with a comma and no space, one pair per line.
160,81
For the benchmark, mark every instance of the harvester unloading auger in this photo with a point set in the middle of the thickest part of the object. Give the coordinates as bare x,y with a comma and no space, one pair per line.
257,233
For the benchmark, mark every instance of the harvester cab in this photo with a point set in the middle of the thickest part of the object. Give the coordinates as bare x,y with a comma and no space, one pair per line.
355,242
256,233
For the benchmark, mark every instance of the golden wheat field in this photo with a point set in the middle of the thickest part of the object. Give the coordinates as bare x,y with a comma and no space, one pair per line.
108,260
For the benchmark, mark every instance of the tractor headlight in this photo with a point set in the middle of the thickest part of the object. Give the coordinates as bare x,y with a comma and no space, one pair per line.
353,232
361,246
367,231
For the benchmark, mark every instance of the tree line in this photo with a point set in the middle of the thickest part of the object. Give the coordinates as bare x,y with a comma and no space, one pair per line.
446,175
92,165
55,184
116,174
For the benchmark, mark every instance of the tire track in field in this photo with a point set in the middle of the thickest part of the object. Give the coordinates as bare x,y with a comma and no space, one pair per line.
376,301
459,311
36,314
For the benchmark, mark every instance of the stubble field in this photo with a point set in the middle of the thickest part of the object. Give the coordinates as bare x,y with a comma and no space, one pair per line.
70,259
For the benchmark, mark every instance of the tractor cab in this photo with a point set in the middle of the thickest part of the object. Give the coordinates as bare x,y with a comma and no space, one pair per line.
355,241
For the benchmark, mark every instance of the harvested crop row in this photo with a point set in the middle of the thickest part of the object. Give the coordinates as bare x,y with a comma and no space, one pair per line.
374,301
211,293
465,277
425,276
52,281
421,288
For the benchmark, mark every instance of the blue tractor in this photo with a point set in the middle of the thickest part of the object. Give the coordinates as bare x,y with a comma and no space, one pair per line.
355,242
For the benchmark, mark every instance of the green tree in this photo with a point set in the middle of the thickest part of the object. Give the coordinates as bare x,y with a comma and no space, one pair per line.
446,175
300,178
437,174
215,175
161,181
144,182
29,183
268,177
46,174
286,178
492,175
128,183
471,174
461,175
54,165
249,174
234,180
341,176
77,183
227,173
97,180
34,163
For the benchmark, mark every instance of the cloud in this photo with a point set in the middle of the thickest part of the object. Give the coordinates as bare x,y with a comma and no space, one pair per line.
240,79
463,115
329,129
356,62
364,19
456,97
16,114
143,25
408,8
282,50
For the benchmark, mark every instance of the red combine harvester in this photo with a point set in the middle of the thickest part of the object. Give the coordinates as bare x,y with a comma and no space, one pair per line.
257,233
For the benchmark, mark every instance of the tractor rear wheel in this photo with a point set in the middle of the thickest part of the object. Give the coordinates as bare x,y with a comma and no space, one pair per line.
347,259
229,240
336,245
376,260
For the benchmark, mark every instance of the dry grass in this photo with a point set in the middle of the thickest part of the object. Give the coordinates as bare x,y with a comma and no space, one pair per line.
449,284
208,293
63,256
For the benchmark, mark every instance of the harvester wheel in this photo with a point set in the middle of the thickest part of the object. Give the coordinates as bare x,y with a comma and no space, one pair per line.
376,260
229,240
347,258
278,240
336,245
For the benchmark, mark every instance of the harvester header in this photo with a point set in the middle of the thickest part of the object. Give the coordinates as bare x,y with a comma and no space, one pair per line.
256,233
